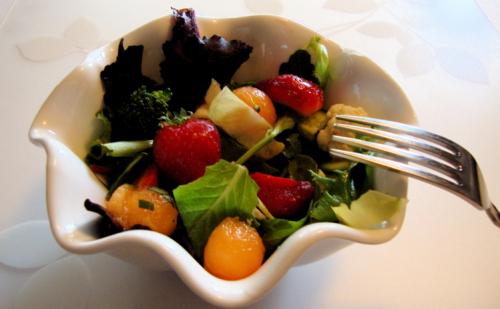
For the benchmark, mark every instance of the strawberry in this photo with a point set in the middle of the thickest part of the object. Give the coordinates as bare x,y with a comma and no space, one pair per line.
148,178
299,94
182,151
283,197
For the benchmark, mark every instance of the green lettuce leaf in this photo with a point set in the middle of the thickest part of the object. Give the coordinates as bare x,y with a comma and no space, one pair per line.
275,231
342,186
346,185
338,185
225,190
293,147
301,166
321,71
322,209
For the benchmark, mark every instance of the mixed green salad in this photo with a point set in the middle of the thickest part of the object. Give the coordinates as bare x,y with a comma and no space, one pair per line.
228,170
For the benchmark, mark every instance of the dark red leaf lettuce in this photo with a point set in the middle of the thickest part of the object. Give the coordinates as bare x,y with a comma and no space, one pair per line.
191,61
119,80
123,76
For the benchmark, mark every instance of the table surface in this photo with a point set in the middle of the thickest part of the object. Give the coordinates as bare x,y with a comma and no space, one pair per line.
445,54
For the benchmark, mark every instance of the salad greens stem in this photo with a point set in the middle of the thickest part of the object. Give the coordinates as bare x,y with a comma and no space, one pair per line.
284,123
262,208
120,149
121,178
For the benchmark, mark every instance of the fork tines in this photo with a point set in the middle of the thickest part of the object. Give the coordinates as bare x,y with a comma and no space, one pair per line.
415,152
433,157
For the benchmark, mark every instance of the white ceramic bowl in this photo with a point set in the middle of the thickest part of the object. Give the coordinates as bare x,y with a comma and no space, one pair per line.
65,126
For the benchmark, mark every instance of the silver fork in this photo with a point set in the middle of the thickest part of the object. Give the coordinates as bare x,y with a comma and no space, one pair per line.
417,153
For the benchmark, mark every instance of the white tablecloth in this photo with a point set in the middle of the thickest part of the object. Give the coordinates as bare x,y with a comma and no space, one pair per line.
445,54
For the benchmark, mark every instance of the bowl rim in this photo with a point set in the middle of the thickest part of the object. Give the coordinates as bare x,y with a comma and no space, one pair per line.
214,290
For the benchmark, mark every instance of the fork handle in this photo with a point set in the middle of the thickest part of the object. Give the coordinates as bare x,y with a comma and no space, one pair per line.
494,214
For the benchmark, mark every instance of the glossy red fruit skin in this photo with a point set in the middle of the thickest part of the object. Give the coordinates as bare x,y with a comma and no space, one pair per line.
284,197
299,94
182,152
148,178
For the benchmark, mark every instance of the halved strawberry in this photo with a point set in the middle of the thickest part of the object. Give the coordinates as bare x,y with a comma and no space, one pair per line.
299,94
284,197
182,151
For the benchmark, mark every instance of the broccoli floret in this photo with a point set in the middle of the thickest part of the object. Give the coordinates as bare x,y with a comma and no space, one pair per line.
138,118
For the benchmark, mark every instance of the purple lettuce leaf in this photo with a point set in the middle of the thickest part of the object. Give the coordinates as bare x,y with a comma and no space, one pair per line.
191,61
